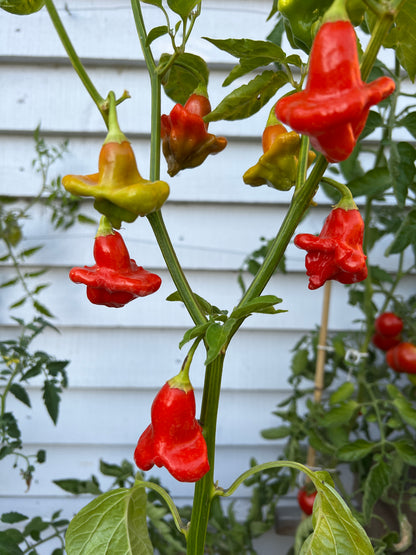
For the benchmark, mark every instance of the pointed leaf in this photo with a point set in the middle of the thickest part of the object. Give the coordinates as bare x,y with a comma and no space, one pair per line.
194,332
216,337
183,7
51,399
344,392
114,522
340,414
20,393
372,184
258,304
248,48
405,236
12,517
155,33
406,411
406,38
374,485
248,99
356,450
406,451
184,75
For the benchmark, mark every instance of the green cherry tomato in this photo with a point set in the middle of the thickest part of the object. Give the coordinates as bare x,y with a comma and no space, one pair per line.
22,7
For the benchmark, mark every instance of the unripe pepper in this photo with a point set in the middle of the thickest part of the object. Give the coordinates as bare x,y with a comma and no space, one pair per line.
115,279
174,438
337,252
278,166
185,140
21,7
120,192
333,108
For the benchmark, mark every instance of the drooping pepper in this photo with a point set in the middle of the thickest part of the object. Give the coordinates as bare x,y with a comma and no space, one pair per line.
185,140
120,192
115,279
174,438
334,106
277,167
337,253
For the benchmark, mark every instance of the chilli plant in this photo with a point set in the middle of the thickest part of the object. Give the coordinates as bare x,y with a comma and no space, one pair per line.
309,131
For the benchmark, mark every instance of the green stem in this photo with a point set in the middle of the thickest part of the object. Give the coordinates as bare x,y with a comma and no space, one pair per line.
204,488
74,59
346,195
377,36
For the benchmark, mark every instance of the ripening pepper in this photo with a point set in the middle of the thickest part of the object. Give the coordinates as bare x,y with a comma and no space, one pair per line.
337,252
277,167
174,438
120,192
334,106
185,140
115,279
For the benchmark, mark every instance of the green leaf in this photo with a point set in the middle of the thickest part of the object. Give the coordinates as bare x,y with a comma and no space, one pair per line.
114,522
248,99
372,184
41,456
9,542
299,362
374,485
356,450
406,37
157,3
245,66
248,48
402,169
9,282
406,411
183,7
263,304
51,399
30,252
155,33
216,337
405,236
186,73
194,332
77,487
42,309
12,517
35,527
20,393
340,414
344,392
335,528
374,120
409,122
276,433
406,451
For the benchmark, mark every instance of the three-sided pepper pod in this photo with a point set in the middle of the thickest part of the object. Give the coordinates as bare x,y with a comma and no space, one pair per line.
174,438
120,192
278,166
186,142
337,253
333,108
115,279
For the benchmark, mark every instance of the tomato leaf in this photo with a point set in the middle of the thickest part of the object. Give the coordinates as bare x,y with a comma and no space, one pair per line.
344,392
20,393
376,482
340,414
356,450
114,522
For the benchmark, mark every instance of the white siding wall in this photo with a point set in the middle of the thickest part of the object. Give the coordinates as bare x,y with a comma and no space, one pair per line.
120,358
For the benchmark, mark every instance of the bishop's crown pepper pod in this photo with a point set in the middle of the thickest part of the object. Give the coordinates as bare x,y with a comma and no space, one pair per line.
115,279
278,166
120,192
333,108
186,142
337,253
174,438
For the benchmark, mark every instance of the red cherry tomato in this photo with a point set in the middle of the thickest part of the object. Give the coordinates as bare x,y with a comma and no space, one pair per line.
306,500
402,358
388,324
385,342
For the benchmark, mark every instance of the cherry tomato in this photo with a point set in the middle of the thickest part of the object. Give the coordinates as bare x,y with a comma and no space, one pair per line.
388,324
385,342
402,358
306,500
270,133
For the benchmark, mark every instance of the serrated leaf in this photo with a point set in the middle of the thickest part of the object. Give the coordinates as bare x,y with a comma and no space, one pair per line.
374,485
344,392
12,517
335,528
406,451
340,414
155,33
51,398
356,450
372,184
20,393
114,522
248,99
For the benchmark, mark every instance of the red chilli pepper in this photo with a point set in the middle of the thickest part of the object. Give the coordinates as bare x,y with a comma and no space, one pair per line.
334,106
115,279
174,438
337,252
185,140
